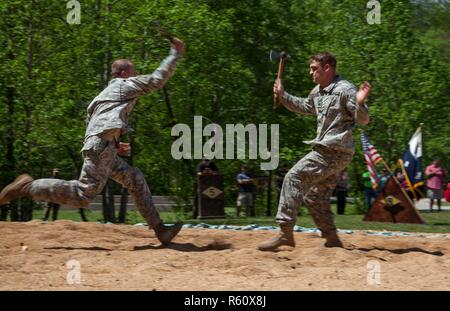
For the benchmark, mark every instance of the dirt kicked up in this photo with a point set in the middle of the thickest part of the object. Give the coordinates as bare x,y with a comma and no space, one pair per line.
66,255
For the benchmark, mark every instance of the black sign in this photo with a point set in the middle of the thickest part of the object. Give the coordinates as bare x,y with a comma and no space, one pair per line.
211,197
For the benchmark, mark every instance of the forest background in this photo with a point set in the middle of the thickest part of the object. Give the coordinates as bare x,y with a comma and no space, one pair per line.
52,69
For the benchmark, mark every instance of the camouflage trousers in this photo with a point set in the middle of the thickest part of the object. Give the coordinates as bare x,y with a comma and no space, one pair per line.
100,163
311,182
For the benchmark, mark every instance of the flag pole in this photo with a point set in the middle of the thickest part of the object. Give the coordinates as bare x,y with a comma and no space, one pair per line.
402,167
398,183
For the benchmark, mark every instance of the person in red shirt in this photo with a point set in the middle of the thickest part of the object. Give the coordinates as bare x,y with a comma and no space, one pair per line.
435,182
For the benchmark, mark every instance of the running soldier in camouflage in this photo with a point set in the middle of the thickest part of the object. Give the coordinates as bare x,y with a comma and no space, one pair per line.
311,181
107,121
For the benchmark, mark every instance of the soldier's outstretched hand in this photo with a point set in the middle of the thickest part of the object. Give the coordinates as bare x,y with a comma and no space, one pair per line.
363,93
278,88
178,45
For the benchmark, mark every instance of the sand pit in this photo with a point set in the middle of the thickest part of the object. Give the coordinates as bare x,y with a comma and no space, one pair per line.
34,256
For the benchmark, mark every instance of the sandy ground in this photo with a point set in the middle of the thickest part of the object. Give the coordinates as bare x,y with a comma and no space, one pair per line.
34,256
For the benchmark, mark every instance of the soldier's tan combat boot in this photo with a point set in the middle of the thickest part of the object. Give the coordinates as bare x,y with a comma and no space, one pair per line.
332,240
285,237
165,234
19,187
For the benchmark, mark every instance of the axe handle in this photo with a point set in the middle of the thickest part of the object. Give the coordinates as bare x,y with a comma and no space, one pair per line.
280,68
280,73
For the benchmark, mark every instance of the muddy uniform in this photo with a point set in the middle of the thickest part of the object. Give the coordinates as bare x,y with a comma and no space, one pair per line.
107,121
311,181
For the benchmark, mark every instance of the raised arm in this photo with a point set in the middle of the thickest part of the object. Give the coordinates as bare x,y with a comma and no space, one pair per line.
293,103
355,103
139,85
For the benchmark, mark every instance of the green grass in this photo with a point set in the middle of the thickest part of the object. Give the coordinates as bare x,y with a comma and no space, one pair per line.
436,222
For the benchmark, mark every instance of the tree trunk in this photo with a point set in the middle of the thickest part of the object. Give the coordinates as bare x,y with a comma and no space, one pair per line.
14,210
111,203
105,204
26,209
10,137
74,157
108,203
4,209
29,92
123,206
172,119
216,106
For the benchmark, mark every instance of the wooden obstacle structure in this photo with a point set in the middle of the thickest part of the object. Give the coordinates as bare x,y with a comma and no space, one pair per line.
394,205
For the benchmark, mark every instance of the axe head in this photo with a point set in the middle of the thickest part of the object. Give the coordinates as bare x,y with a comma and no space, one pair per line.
275,56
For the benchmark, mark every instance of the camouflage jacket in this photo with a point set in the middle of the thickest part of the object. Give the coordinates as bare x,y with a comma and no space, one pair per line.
337,113
110,109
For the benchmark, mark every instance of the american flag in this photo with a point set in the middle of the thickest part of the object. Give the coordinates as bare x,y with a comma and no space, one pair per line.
372,158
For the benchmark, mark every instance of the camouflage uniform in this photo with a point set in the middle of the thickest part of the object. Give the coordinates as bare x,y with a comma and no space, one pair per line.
107,121
311,181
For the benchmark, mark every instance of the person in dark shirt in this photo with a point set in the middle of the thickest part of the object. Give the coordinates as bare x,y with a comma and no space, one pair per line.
207,167
245,196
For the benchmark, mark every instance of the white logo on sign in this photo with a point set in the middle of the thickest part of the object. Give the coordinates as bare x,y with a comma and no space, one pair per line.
212,192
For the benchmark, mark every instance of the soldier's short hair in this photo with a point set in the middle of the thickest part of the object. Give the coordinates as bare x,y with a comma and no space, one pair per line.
324,58
120,65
